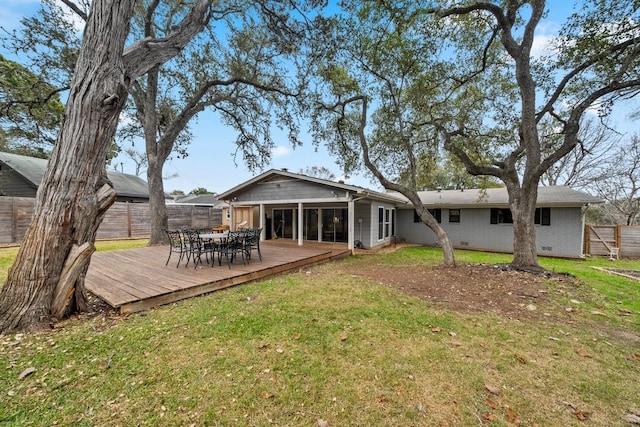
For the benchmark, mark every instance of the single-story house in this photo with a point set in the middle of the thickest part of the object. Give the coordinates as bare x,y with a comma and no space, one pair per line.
481,220
20,176
303,208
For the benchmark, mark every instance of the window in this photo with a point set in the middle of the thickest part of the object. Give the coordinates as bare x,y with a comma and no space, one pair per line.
393,222
387,222
454,215
543,216
501,216
436,213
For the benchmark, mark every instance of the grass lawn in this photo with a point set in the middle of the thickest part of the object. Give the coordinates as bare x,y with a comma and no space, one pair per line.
322,347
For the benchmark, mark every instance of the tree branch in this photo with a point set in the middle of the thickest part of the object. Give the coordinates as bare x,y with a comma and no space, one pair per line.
149,52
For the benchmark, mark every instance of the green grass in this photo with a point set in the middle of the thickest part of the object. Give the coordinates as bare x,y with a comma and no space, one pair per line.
323,344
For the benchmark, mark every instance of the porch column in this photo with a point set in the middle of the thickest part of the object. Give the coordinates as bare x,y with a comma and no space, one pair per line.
232,218
300,224
261,222
351,208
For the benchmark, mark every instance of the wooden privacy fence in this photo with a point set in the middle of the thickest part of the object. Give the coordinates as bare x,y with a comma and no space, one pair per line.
122,221
599,239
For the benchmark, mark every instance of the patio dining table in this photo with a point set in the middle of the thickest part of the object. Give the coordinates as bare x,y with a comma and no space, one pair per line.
213,236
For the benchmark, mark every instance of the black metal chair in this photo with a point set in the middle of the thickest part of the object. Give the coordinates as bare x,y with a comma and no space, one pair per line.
252,242
195,246
177,245
231,247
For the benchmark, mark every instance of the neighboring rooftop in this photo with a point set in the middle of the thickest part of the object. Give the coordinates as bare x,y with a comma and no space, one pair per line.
33,169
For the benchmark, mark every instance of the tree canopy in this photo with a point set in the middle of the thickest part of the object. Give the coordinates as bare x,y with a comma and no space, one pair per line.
463,76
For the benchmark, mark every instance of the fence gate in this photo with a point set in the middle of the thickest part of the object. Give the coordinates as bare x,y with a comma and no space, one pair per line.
599,239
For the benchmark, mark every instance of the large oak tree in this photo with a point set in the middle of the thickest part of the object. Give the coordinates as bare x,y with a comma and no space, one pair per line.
482,93
46,280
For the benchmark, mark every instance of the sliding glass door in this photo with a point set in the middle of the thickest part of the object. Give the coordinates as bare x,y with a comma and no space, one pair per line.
283,223
334,225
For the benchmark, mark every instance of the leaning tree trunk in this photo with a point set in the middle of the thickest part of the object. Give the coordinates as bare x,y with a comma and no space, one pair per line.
432,223
75,192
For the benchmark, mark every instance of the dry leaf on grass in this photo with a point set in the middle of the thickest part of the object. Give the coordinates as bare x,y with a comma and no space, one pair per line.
637,356
267,395
489,416
581,415
584,353
322,423
491,404
511,417
26,373
343,337
520,359
492,389
633,418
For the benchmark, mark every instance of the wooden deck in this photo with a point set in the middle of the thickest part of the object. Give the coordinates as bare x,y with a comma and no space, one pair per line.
136,279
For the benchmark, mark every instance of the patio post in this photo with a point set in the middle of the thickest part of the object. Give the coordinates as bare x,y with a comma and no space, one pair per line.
351,227
300,224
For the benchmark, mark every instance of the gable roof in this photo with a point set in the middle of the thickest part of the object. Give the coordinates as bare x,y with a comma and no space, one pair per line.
199,199
552,196
276,174
32,169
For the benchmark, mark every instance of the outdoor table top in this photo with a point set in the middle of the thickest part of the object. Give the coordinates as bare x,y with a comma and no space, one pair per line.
214,235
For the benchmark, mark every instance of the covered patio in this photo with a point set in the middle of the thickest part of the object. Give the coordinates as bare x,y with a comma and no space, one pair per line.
305,209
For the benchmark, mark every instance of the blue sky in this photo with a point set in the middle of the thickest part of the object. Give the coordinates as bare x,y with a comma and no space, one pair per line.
210,163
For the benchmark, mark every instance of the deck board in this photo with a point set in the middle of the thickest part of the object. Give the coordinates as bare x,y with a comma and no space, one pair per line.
137,279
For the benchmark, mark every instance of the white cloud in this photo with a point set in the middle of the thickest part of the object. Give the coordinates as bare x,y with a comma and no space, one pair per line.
280,151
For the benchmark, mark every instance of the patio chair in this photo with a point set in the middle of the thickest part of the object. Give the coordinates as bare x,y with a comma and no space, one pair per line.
177,245
252,242
195,246
231,247
614,254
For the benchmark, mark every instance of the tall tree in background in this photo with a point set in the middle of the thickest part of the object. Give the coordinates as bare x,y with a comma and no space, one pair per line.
75,192
237,68
620,184
382,89
595,61
585,165
319,172
30,108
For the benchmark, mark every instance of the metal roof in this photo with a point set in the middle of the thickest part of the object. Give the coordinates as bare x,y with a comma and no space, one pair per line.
33,169
557,196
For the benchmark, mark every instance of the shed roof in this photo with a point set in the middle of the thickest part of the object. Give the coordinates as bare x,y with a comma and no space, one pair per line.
33,170
551,196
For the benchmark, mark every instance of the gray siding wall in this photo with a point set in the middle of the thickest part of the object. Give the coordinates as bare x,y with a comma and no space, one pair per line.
563,238
286,190
362,225
13,184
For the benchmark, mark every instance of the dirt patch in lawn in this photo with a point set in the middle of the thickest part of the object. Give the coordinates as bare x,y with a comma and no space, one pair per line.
481,288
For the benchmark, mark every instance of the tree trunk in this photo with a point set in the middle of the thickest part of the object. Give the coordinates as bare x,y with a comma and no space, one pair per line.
432,224
75,193
159,216
523,208
67,203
